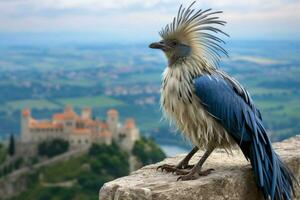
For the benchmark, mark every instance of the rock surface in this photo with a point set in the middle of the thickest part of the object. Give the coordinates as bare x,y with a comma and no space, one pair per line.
232,178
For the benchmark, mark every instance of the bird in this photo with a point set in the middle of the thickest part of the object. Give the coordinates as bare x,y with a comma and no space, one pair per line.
211,108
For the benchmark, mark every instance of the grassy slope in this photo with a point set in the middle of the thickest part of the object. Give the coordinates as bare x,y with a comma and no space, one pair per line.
32,103
78,102
64,171
87,172
97,101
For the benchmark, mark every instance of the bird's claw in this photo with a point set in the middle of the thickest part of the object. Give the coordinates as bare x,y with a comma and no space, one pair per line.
192,175
167,168
172,169
162,167
177,167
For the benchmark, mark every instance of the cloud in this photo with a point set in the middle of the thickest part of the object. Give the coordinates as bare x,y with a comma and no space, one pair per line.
252,18
31,7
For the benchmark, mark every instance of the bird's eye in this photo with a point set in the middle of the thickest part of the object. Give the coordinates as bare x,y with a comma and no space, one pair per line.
174,43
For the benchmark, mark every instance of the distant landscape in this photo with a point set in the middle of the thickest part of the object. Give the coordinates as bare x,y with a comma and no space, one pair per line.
46,78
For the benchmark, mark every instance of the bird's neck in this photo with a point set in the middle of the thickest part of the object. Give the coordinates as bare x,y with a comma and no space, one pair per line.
177,81
188,68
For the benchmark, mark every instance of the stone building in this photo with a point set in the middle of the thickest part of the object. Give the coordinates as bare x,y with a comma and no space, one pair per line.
80,130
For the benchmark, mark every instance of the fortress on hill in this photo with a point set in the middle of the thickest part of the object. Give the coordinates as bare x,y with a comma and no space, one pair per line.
80,130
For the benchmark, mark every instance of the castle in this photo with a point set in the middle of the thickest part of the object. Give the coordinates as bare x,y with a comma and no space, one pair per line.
80,130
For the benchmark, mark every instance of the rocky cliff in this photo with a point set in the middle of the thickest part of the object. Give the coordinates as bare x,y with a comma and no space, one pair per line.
232,178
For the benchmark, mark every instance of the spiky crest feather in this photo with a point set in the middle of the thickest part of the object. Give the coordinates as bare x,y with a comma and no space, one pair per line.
195,29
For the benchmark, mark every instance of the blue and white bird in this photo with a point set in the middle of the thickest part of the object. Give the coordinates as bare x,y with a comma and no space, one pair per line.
211,108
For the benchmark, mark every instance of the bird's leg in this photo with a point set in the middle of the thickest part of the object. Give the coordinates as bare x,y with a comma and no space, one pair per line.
196,170
183,164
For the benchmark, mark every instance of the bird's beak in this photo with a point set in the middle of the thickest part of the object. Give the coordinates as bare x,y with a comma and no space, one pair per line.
158,45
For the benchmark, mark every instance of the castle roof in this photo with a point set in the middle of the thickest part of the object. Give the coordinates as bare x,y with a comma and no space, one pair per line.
43,124
129,123
26,112
67,114
58,117
103,125
112,112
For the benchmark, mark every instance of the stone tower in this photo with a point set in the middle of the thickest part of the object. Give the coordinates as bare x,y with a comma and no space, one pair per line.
112,122
69,121
130,134
86,113
25,119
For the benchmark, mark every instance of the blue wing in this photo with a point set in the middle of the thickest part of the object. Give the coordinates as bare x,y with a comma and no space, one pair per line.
222,100
230,104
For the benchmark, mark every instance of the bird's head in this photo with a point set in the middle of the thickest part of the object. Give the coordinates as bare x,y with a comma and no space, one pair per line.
174,49
190,36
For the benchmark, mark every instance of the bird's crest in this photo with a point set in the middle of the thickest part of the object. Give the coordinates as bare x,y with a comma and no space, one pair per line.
196,28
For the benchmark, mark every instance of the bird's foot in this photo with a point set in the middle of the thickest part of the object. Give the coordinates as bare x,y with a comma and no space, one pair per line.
192,175
177,169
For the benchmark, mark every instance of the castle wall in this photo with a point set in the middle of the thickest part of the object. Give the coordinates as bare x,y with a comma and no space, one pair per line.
127,138
86,113
103,140
112,122
71,127
83,140
25,132
38,135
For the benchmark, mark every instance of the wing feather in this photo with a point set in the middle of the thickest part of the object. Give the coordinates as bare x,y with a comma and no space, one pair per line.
231,104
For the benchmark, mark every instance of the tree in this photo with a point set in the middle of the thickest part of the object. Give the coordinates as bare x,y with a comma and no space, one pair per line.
53,147
147,151
109,159
11,147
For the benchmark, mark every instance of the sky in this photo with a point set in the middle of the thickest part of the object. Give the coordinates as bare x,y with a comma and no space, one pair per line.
124,21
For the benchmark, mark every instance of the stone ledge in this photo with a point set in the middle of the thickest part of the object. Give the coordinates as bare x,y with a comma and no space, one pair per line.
232,178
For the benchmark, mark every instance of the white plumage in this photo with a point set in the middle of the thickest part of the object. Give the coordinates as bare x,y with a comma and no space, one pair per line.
181,106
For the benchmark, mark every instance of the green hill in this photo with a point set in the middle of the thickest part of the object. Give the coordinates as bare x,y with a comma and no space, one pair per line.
80,178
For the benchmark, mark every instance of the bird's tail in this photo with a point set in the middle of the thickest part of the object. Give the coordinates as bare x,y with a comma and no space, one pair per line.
272,176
